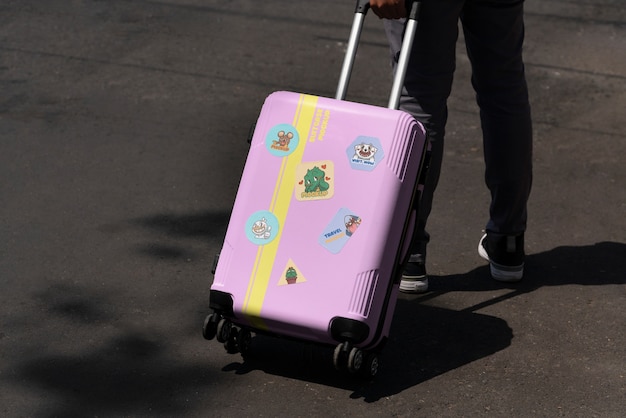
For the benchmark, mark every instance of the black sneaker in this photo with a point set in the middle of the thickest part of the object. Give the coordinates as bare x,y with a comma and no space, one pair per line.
414,279
505,255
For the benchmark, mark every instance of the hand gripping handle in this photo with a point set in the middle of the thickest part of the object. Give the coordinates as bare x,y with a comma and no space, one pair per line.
413,6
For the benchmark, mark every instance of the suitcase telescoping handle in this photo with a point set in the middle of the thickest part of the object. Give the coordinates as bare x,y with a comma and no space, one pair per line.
407,43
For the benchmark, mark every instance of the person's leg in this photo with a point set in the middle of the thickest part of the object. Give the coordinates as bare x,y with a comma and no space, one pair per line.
494,35
428,84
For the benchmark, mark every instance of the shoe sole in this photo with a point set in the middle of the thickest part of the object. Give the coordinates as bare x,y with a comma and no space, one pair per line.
499,272
414,286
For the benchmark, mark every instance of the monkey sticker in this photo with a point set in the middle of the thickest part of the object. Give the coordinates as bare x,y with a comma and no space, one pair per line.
282,140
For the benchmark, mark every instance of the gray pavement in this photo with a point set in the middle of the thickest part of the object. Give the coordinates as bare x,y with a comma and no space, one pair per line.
122,138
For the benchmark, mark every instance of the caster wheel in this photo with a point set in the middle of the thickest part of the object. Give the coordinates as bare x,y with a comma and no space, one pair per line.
244,342
340,356
223,330
232,344
355,360
209,329
370,366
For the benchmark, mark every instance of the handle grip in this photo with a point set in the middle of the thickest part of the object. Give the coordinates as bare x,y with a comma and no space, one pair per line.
362,6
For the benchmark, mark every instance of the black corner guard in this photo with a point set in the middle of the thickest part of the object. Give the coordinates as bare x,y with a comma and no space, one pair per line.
221,302
344,329
216,258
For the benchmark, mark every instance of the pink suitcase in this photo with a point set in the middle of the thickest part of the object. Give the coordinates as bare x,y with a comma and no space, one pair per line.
318,231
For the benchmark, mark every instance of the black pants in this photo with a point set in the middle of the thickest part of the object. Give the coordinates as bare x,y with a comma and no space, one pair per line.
494,34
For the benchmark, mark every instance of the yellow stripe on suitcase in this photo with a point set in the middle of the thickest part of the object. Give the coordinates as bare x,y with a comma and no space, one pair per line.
279,206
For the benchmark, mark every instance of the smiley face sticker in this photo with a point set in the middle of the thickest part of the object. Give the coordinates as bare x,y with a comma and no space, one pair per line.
262,227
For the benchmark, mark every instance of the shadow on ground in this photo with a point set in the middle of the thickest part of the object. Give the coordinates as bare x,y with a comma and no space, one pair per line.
420,349
603,263
449,339
205,225
125,375
98,354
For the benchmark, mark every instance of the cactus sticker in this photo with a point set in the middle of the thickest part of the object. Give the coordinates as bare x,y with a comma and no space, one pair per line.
262,227
364,153
315,180
291,275
339,231
282,140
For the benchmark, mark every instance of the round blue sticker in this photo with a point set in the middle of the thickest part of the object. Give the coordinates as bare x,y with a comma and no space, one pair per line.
282,140
262,227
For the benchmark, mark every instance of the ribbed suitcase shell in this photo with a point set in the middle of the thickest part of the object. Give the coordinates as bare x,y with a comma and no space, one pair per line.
317,230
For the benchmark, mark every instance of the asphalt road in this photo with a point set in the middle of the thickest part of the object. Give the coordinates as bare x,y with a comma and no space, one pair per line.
122,139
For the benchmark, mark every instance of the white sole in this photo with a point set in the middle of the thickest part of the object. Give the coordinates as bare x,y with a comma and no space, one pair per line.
414,286
509,274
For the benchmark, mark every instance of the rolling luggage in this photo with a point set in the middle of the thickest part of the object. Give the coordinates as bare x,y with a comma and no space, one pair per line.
322,221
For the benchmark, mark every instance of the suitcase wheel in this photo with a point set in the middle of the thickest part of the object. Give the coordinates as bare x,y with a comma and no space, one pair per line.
340,357
354,360
223,332
209,328
347,358
239,341
236,340
231,344
369,368
244,342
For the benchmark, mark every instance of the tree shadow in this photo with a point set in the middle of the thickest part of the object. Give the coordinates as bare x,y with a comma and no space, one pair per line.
198,225
173,230
129,374
101,364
